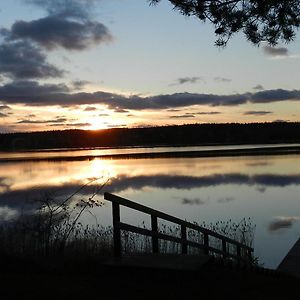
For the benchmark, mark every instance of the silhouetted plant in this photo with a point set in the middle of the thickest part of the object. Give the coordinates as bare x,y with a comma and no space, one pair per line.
259,20
55,227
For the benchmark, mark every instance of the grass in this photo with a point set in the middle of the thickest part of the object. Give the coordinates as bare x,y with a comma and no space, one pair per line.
55,229
50,254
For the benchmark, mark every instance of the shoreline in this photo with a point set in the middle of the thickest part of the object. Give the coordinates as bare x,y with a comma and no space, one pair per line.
283,150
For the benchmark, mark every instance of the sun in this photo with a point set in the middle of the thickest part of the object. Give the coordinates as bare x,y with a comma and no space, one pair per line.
96,124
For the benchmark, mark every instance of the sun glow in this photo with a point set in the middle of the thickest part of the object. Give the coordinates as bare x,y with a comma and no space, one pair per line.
96,125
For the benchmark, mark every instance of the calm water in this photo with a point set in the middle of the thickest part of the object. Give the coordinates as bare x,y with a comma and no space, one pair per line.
264,188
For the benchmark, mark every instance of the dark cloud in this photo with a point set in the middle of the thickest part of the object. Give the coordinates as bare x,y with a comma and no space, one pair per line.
16,198
90,108
30,90
121,110
58,120
258,87
4,107
32,93
103,115
54,31
185,116
80,9
77,124
116,125
79,84
222,79
208,113
68,25
275,95
282,223
22,60
258,164
257,112
280,121
123,182
276,51
194,201
261,189
184,80
174,110
226,199
2,115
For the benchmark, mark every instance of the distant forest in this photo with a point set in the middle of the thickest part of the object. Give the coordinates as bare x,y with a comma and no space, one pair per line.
185,135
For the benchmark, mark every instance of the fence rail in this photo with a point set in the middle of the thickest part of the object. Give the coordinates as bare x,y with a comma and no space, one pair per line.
243,252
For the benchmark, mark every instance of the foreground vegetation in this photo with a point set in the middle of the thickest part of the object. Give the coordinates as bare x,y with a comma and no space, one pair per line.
55,229
50,254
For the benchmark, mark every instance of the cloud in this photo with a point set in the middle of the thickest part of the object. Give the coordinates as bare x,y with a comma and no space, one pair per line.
53,32
222,79
208,113
257,112
280,121
280,223
2,115
226,199
190,80
90,108
22,60
194,201
68,25
58,120
275,95
77,124
258,87
79,84
121,110
185,116
80,9
4,107
33,93
276,51
17,198
174,110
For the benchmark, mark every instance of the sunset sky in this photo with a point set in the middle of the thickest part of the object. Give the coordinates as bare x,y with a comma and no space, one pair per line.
93,64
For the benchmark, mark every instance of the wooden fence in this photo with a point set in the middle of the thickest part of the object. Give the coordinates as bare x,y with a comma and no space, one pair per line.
243,252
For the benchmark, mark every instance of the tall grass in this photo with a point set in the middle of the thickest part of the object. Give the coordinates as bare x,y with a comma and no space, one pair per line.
55,229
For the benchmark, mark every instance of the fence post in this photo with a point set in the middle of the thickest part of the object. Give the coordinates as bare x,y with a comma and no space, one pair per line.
224,248
206,243
238,253
116,228
183,236
250,256
154,228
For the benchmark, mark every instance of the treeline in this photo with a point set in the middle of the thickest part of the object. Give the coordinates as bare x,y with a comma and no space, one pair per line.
195,134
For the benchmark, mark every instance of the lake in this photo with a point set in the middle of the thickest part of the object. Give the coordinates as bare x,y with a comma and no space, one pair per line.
210,189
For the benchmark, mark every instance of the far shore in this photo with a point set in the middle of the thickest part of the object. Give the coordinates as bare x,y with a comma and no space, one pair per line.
259,151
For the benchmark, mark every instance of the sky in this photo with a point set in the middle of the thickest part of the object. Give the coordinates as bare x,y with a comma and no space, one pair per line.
94,64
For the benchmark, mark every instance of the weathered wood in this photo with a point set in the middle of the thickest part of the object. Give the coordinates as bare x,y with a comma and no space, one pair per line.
161,215
116,229
249,253
118,226
183,237
147,232
224,248
154,227
206,243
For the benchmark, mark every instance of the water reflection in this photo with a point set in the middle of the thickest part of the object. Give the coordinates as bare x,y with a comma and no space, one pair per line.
197,189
